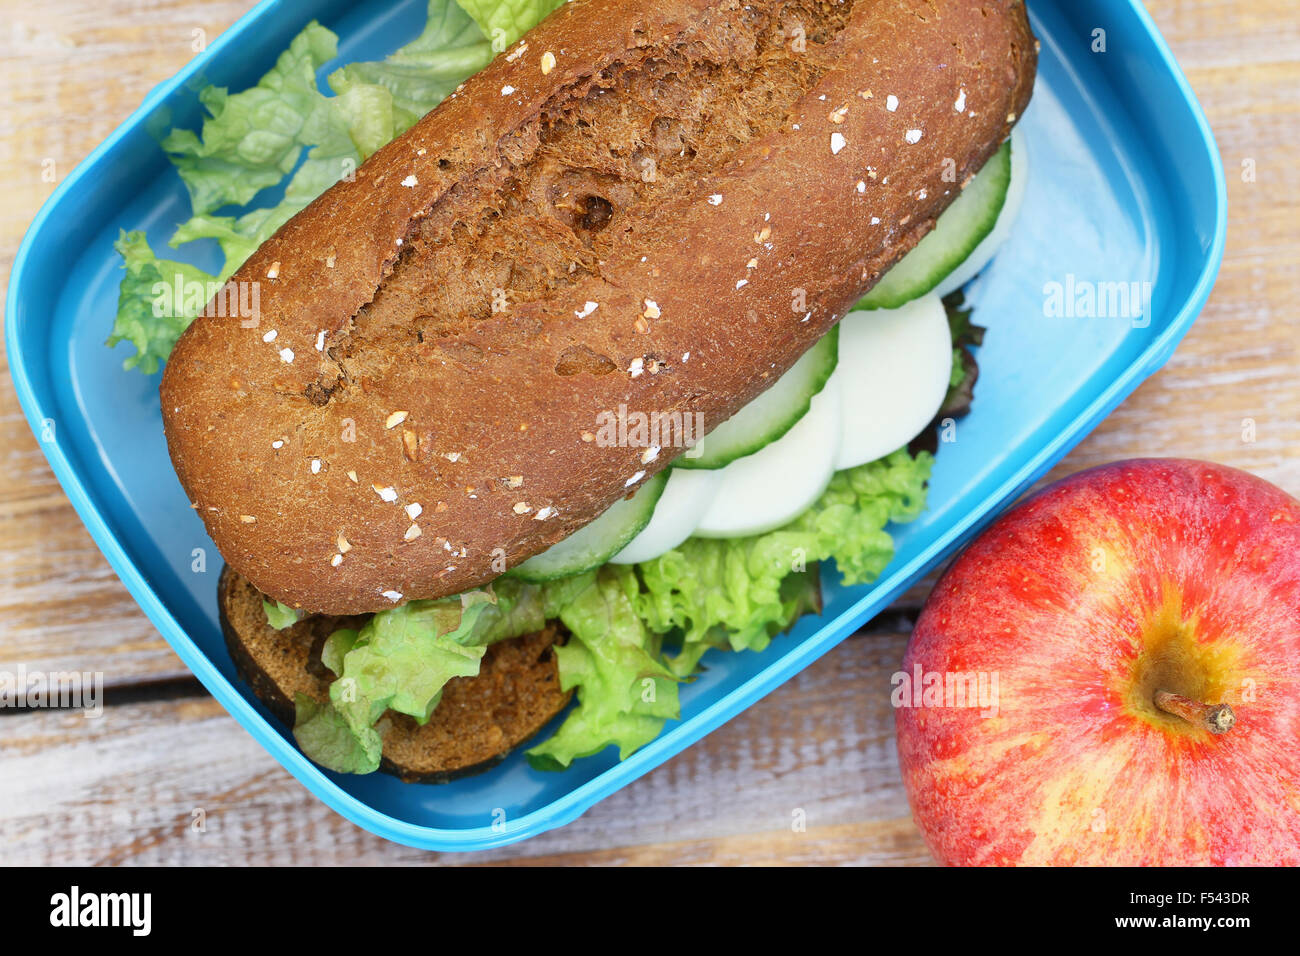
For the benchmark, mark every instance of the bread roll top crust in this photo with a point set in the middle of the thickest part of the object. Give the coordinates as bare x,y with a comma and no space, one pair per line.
649,206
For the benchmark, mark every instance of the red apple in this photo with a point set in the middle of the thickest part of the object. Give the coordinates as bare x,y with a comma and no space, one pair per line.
1113,613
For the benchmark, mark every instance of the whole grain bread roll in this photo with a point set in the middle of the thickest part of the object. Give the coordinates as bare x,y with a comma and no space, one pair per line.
656,204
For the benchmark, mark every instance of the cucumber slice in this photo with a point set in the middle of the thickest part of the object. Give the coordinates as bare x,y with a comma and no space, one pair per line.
956,234
771,414
983,253
685,500
769,489
894,371
594,544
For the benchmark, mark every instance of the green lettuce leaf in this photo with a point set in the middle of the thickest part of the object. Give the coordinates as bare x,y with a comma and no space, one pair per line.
336,648
735,593
624,687
402,658
252,139
505,21
423,73
346,129
147,316
325,736
279,616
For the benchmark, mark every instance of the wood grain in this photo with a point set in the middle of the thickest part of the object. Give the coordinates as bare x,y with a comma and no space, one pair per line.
122,788
125,788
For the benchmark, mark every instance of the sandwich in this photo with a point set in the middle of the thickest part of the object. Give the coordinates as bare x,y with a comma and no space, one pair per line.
588,370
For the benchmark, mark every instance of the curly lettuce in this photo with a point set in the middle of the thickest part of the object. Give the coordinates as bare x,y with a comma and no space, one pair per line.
278,614
732,593
423,73
505,21
252,139
284,131
141,319
625,688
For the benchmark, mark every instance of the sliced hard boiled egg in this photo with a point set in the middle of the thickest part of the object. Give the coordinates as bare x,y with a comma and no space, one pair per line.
777,483
893,374
686,498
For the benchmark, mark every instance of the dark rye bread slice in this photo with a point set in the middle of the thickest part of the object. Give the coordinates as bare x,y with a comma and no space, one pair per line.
477,722
657,204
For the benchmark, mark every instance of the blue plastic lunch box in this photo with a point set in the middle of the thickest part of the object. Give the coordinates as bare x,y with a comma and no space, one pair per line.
1125,184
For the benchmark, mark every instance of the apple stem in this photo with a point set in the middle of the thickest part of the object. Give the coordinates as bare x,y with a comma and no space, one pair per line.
1216,718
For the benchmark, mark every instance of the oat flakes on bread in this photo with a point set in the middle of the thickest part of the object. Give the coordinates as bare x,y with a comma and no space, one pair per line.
668,201
478,721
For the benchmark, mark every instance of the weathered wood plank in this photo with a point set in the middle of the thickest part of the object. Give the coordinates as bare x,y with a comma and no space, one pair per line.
123,788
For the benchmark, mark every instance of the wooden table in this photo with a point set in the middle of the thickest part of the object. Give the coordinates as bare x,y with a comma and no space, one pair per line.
125,788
